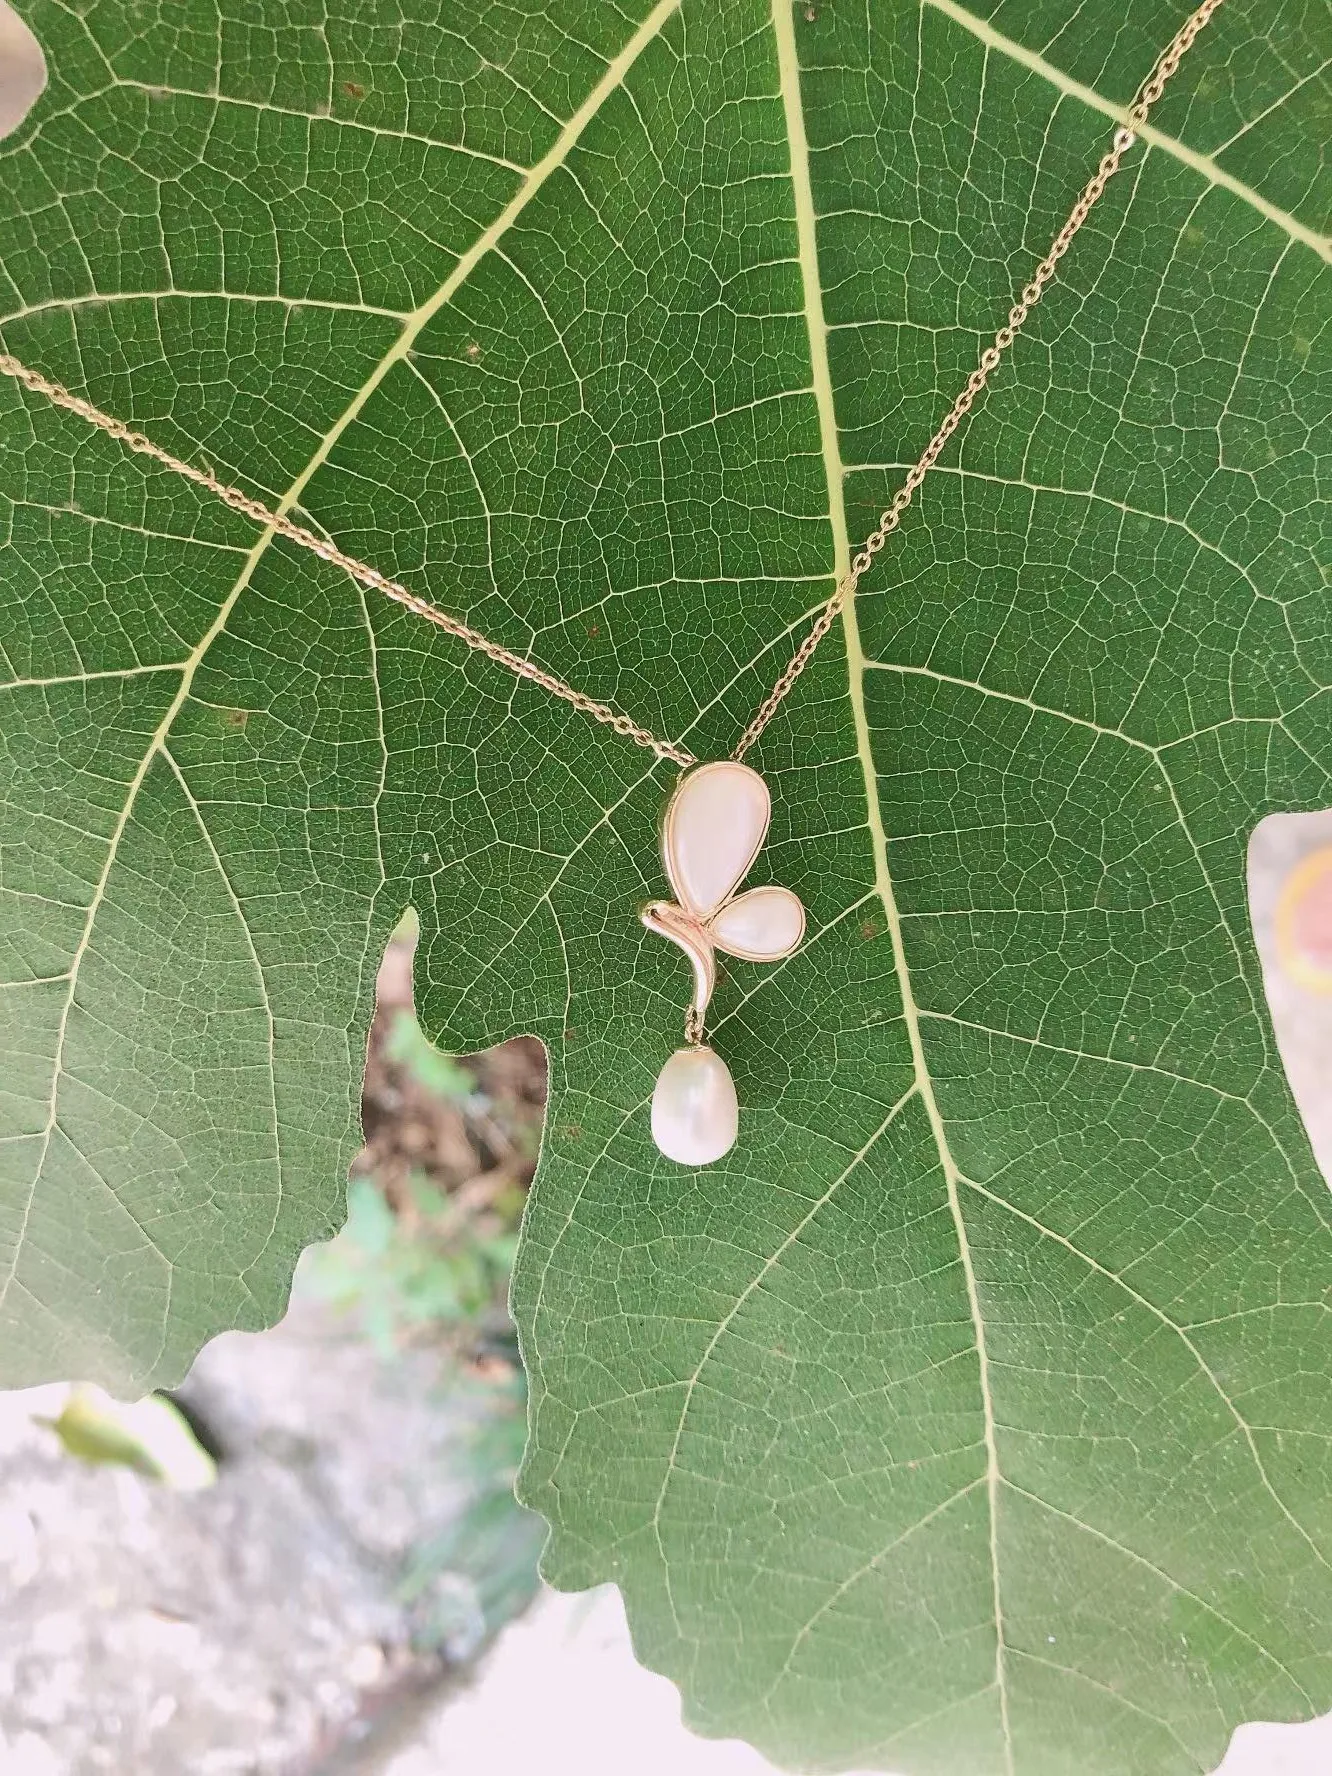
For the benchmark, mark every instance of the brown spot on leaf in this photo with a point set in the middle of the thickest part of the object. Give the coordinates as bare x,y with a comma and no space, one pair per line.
353,89
235,718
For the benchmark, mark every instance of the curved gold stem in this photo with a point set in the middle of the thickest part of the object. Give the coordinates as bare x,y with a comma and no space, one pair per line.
669,920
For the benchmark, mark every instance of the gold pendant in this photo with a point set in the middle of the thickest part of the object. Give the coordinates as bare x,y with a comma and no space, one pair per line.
713,829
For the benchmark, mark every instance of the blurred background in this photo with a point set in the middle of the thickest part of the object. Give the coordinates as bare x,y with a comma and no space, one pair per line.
309,1560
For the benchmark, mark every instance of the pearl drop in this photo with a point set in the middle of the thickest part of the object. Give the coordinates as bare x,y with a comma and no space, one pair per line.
695,1115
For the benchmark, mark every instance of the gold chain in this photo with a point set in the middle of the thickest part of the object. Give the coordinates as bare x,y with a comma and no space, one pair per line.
326,551
891,516
889,519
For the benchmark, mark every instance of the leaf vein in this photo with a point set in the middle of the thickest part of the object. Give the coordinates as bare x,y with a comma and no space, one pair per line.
1202,164
1144,1301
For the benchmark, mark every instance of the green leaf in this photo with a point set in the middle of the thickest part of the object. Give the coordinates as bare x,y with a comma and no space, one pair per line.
974,1414
150,1436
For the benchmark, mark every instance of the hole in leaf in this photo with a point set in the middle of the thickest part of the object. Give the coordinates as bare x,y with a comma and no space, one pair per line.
22,70
1290,902
1280,1748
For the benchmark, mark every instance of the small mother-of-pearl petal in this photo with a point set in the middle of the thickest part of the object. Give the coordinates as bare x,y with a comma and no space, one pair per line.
761,925
695,1116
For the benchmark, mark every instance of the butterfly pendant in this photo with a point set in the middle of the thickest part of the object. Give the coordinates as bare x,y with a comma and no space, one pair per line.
714,828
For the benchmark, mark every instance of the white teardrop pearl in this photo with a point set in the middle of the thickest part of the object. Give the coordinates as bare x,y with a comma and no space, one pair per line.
695,1115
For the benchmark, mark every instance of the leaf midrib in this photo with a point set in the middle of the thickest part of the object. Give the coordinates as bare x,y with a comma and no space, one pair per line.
857,665
783,19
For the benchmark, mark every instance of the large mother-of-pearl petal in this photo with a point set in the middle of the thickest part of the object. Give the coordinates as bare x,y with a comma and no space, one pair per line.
762,925
715,825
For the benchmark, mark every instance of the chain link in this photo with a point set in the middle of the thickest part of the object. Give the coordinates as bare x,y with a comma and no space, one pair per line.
889,518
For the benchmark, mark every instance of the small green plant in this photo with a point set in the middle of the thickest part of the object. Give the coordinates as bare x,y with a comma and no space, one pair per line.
416,1264
433,1070
481,1570
430,1268
150,1436
437,1269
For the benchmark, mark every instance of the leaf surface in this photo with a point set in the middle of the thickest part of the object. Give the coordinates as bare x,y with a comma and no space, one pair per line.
973,1414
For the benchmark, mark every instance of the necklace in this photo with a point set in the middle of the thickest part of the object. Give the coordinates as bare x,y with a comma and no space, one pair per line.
717,818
